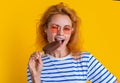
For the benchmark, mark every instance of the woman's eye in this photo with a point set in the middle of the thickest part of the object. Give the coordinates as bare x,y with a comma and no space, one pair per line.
54,28
67,29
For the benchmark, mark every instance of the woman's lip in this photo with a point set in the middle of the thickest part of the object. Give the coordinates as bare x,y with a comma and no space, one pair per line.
59,39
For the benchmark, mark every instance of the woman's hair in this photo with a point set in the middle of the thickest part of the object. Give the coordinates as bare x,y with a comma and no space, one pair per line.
46,18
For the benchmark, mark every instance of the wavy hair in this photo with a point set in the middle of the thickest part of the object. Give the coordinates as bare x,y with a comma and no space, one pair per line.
60,8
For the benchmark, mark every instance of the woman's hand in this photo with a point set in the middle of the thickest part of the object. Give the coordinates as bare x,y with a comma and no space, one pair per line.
35,65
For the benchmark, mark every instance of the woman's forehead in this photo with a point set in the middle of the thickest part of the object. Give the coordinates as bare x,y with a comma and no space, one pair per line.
60,19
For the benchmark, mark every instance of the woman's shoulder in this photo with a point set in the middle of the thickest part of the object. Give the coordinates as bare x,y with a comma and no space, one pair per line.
86,55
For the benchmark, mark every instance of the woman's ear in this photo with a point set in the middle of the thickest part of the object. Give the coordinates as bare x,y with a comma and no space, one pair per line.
45,30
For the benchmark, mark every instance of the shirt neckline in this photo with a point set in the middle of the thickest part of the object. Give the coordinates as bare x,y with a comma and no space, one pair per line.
63,58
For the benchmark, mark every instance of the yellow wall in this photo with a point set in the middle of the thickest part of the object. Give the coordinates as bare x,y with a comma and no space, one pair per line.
18,19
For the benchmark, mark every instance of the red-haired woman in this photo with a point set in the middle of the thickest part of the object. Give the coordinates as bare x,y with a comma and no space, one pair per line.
66,63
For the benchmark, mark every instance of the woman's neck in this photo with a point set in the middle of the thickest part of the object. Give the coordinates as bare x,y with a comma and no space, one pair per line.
61,53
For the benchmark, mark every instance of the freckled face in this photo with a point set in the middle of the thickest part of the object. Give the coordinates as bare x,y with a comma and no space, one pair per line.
60,29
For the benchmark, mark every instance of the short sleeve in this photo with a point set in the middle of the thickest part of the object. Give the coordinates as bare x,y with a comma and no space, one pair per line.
97,73
29,76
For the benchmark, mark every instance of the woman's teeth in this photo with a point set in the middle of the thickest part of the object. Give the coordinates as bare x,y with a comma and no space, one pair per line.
60,40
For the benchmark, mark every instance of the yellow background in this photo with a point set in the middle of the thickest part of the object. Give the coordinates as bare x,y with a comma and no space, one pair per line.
18,18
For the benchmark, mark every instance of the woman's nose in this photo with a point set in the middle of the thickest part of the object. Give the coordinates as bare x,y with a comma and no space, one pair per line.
60,31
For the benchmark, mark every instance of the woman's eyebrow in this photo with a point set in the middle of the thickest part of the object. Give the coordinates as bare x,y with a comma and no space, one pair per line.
59,25
55,24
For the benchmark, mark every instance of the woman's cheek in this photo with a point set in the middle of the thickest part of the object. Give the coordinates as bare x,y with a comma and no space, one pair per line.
67,38
50,37
53,37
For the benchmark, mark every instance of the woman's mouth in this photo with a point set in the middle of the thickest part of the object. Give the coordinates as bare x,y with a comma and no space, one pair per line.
60,40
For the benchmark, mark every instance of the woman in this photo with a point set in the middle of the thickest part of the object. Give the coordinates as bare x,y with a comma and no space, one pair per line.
66,63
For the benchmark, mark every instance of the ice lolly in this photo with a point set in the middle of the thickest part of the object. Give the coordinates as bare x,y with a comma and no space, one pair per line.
51,47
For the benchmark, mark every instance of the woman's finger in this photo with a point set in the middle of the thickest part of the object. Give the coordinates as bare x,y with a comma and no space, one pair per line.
40,55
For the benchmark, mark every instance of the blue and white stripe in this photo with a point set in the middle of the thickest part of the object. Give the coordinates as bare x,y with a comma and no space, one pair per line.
69,70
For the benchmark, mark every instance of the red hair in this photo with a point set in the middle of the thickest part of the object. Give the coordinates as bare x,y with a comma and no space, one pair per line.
60,9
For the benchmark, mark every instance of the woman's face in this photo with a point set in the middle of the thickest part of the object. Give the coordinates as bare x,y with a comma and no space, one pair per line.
59,29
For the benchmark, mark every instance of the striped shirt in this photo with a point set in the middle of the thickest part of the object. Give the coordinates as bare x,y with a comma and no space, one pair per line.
69,70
